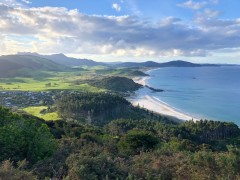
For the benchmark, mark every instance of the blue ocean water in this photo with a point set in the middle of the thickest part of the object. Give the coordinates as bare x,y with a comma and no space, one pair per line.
204,92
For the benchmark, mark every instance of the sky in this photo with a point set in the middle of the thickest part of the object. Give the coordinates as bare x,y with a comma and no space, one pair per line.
202,31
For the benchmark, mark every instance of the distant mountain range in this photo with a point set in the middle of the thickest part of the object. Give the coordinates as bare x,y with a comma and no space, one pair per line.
177,63
11,64
67,61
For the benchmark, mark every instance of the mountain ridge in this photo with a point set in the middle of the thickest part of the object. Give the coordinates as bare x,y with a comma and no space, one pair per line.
68,61
174,63
11,64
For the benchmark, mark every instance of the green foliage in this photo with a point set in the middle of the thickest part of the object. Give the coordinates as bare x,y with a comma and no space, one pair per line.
98,167
176,145
22,138
97,107
122,126
7,117
61,129
137,140
209,131
100,108
123,149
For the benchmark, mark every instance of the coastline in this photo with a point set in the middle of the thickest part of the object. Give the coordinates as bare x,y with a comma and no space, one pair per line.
159,107
141,80
156,105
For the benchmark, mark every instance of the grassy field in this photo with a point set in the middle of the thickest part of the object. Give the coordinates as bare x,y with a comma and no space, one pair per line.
36,111
54,81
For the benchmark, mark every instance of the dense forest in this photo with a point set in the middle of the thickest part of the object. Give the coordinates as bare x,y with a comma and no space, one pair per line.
146,147
100,108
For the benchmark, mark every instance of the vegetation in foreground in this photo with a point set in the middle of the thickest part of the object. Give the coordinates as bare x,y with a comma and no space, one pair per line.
32,148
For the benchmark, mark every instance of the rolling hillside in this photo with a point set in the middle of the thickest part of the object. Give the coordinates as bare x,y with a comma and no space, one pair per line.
12,64
67,61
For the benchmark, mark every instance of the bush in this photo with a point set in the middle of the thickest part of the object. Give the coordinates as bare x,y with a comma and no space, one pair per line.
7,171
137,140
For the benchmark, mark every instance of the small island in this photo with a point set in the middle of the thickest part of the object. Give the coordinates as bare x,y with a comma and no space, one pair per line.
154,89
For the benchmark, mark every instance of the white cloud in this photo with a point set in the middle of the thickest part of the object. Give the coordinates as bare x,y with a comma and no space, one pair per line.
196,5
116,6
59,30
193,5
26,1
13,3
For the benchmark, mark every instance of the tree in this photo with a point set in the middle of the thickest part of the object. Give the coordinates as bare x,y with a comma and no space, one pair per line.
137,140
24,138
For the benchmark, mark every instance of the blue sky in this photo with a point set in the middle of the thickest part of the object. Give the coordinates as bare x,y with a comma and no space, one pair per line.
153,9
124,30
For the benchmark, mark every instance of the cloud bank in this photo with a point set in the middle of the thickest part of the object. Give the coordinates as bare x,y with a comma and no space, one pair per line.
55,30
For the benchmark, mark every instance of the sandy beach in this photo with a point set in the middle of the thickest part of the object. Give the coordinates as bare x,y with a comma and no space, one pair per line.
158,106
141,80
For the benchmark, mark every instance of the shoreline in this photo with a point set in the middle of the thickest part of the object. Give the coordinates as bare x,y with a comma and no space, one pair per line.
158,106
141,80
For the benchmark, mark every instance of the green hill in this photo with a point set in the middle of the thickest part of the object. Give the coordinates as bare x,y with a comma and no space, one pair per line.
121,72
11,65
116,83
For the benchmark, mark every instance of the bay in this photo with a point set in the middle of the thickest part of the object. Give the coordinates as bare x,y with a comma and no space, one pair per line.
205,92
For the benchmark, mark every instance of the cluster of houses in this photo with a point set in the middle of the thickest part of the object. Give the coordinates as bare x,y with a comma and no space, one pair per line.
23,99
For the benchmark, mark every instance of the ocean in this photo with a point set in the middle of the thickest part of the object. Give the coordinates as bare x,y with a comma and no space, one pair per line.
211,93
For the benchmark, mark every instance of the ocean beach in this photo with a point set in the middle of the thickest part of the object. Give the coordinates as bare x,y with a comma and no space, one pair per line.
156,105
192,93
